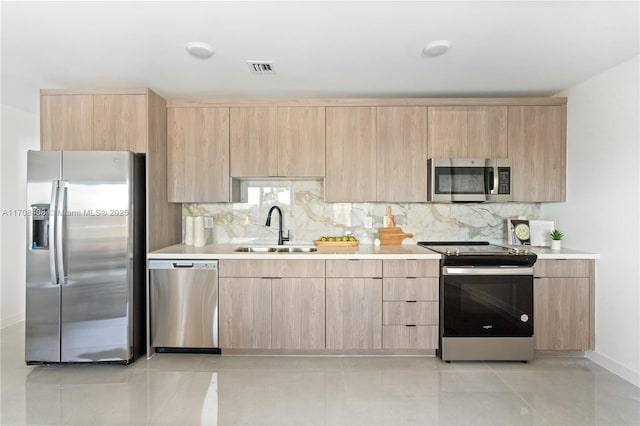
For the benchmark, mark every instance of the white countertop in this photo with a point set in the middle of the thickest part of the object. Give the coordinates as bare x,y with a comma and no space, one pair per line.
362,251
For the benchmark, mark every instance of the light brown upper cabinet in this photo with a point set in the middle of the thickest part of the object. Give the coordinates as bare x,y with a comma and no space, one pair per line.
101,122
301,141
537,148
254,141
401,154
467,132
198,154
66,122
350,172
117,120
277,141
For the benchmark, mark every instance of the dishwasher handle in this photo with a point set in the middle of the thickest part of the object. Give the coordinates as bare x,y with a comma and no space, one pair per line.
183,264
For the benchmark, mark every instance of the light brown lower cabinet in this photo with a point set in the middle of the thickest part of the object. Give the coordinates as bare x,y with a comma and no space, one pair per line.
410,336
563,305
245,313
354,313
272,304
410,304
297,317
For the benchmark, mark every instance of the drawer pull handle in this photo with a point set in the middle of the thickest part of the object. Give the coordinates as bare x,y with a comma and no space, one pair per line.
412,301
412,278
410,325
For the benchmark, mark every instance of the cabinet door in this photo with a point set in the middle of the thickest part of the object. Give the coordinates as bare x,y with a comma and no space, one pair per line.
245,313
66,122
254,141
351,154
562,268
354,313
120,123
410,313
537,148
301,137
365,268
447,132
410,337
468,132
298,313
487,132
284,268
402,154
410,289
561,313
198,154
411,268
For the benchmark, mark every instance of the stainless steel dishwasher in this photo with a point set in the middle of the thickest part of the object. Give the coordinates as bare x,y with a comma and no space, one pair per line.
184,305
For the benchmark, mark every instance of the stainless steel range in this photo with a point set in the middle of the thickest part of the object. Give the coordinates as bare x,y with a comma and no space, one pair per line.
486,301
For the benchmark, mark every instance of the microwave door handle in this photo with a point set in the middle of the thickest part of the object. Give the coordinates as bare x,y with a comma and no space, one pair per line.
490,181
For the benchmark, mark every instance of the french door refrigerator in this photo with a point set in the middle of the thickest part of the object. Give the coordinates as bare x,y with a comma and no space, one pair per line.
85,265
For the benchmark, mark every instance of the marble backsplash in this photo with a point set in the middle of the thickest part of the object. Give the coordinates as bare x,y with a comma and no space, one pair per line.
308,217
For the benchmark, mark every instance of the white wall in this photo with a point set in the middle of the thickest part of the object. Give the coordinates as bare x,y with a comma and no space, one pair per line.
20,133
603,202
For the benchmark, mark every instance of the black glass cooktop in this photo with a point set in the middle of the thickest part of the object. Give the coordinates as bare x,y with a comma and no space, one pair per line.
480,253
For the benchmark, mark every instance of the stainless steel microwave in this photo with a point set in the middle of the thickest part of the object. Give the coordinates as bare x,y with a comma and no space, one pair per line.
469,179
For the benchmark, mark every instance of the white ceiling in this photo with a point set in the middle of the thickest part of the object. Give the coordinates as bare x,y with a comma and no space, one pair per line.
319,49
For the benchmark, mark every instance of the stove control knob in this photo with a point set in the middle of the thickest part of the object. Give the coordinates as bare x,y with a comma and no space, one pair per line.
457,252
516,251
524,317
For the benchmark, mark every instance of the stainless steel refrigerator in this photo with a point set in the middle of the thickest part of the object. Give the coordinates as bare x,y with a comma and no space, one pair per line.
85,274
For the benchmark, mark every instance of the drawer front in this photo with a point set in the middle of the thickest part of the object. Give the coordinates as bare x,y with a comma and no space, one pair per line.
271,268
354,268
403,337
410,289
410,313
562,268
411,268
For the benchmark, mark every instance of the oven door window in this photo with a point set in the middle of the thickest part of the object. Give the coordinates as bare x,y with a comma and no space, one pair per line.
462,180
499,306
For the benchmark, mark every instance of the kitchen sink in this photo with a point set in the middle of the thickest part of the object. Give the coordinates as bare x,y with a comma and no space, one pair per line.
255,249
297,249
277,249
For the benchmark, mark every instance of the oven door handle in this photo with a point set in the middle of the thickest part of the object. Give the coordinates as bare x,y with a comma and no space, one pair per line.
470,270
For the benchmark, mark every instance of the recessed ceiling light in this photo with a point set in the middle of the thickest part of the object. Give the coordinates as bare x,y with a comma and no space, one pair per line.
199,50
437,48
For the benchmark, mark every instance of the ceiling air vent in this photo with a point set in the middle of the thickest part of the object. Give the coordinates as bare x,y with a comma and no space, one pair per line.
261,67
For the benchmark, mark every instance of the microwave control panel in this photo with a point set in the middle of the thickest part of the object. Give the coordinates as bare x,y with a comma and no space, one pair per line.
504,180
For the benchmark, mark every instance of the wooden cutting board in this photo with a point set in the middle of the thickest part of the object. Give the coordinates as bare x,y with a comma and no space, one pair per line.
392,235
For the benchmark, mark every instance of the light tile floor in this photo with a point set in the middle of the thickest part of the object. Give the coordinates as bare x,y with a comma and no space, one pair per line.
186,389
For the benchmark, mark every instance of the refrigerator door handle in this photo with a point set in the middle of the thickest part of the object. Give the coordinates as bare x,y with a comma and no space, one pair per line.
61,205
53,219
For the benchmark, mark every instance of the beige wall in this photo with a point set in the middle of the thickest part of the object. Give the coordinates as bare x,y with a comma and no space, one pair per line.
602,209
20,133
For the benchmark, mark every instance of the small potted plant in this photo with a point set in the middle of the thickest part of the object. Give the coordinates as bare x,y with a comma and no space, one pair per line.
556,239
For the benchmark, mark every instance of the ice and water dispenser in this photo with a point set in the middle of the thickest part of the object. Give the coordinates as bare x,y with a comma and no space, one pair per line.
40,226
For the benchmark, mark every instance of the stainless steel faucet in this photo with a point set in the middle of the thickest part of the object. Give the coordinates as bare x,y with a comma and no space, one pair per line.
281,237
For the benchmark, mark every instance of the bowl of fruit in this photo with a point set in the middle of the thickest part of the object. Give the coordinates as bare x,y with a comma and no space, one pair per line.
338,241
